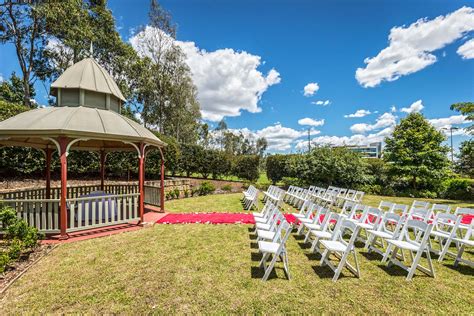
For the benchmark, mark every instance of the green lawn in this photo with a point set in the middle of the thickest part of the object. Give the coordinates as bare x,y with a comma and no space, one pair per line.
198,268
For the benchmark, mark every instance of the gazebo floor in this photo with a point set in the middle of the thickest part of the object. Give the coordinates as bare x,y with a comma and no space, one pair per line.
150,218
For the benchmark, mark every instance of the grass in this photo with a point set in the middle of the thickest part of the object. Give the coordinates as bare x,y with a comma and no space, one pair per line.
197,268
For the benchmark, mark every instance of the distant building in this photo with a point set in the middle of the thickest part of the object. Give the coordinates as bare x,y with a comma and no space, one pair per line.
373,150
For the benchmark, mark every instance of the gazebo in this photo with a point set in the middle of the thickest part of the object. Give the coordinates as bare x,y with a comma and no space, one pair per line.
86,117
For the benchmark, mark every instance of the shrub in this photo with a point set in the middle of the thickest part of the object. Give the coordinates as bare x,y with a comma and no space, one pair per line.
4,261
246,167
226,187
206,188
459,189
276,167
186,193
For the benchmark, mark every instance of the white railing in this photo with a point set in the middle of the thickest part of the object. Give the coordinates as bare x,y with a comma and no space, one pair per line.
105,210
118,204
40,213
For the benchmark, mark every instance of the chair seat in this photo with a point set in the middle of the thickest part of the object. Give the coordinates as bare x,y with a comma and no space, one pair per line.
321,234
263,226
334,245
265,234
469,242
365,225
403,244
312,226
256,214
260,220
268,247
298,216
381,234
305,220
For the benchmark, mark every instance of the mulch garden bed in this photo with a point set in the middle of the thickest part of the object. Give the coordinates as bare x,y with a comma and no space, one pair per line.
19,266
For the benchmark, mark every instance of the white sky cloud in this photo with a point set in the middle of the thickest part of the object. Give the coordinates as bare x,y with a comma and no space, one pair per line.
466,50
358,113
321,102
410,47
416,106
383,121
311,122
228,81
310,89
447,122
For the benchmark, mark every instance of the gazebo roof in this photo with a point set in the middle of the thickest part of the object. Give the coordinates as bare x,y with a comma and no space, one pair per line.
97,129
87,74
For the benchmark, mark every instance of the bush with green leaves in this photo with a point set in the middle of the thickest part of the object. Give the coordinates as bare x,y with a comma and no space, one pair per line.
226,188
246,167
205,188
19,237
459,189
277,167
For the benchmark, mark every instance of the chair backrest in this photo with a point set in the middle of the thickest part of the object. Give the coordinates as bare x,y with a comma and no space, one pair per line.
419,213
371,215
443,222
276,220
401,209
391,223
356,210
420,204
347,207
444,208
343,225
464,211
359,196
422,232
350,194
285,229
386,206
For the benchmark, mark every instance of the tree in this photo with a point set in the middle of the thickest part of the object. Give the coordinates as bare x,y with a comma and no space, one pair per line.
466,108
416,155
465,163
13,90
23,26
246,167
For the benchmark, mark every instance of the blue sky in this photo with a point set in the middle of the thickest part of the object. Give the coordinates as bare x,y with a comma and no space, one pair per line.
323,42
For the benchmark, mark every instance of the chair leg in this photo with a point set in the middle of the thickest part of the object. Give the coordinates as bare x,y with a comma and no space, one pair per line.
269,268
286,265
264,258
357,264
444,249
459,256
307,236
414,265
430,263
341,265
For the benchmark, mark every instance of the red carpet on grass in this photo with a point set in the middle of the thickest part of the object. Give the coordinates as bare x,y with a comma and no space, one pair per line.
213,218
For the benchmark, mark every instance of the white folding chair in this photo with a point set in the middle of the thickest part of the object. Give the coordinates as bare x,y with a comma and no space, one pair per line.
436,208
341,248
466,241
415,246
445,228
277,250
420,204
463,211
264,234
389,228
369,220
400,209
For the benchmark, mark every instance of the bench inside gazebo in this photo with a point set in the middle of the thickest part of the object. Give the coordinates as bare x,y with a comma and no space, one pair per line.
86,117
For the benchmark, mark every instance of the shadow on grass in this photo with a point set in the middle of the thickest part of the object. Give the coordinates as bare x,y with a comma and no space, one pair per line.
461,268
257,273
314,256
372,256
298,237
304,245
253,245
255,256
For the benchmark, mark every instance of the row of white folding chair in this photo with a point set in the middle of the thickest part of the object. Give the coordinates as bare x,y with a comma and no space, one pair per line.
250,198
274,193
298,197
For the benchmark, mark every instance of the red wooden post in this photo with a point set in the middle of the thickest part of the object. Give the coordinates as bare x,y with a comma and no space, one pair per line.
141,180
49,153
63,142
162,182
102,169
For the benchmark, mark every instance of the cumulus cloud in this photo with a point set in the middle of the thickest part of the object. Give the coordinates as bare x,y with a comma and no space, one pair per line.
279,138
383,121
393,108
410,47
447,122
310,89
321,102
311,122
358,113
416,106
466,51
227,81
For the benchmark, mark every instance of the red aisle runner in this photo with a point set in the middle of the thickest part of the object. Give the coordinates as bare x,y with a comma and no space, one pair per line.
213,218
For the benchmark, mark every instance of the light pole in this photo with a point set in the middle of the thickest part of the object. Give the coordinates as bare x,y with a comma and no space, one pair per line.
451,129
